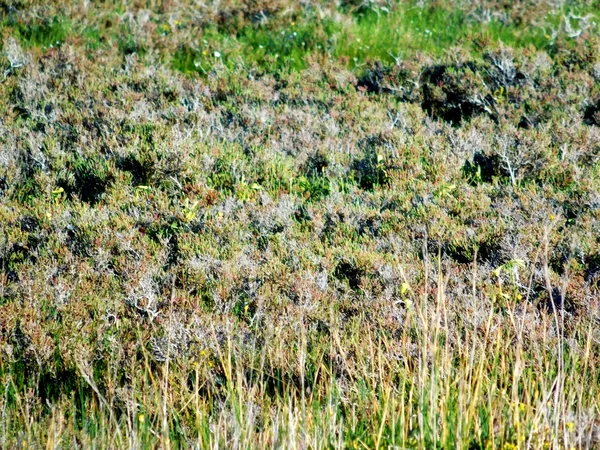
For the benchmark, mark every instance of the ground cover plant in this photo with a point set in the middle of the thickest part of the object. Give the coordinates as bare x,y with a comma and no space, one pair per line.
362,224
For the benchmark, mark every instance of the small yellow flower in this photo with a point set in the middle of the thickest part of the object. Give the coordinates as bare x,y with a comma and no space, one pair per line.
570,426
293,24
404,288
141,418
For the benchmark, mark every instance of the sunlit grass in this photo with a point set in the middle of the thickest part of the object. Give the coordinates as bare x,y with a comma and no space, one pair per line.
287,44
401,33
432,386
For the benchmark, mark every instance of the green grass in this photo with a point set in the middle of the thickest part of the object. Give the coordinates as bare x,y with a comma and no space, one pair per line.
430,30
452,398
369,35
281,47
46,33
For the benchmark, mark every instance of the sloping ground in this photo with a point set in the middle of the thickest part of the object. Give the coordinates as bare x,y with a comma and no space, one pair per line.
204,244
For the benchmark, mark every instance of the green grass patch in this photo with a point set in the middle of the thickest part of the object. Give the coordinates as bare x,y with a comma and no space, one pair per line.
40,33
430,30
270,48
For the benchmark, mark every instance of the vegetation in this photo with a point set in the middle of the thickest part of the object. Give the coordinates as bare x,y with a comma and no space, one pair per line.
362,224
